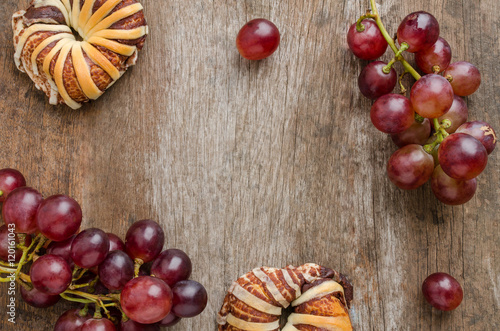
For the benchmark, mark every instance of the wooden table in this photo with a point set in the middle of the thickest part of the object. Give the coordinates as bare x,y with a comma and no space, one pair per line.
269,163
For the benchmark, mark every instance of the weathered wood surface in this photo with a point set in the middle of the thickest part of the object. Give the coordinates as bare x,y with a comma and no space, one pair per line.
266,163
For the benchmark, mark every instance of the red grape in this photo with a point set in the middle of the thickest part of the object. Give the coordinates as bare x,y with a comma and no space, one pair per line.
410,167
420,30
115,243
373,82
442,291
6,241
170,320
20,209
98,324
172,265
131,325
146,299
50,274
417,133
438,55
144,240
59,217
89,248
116,270
190,298
71,320
38,299
258,39
457,114
452,191
368,44
462,156
392,113
431,96
62,249
10,179
466,78
482,131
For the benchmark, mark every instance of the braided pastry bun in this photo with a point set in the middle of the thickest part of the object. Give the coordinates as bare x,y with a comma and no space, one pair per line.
319,297
72,71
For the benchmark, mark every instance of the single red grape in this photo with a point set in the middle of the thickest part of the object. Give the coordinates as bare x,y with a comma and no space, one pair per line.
190,298
392,113
98,324
374,83
258,39
420,30
59,217
466,78
172,265
89,248
457,114
115,243
144,240
462,156
116,270
7,241
452,191
10,179
482,131
438,55
170,320
131,325
431,96
71,320
417,133
368,44
20,209
37,298
146,299
410,167
62,249
442,291
50,274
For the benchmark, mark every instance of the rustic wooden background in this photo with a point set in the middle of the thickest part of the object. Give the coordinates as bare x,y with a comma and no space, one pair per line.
266,163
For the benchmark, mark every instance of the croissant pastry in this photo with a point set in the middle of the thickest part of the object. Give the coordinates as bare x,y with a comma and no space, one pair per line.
319,298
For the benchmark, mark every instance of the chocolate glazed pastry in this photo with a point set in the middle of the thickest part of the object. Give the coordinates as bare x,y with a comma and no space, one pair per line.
72,71
319,296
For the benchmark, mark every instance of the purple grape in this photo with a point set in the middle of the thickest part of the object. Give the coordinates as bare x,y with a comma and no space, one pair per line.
172,265
482,131
144,240
466,78
431,96
50,274
442,291
452,191
116,270
457,114
420,30
10,179
392,113
462,156
38,299
410,167
89,248
368,44
190,298
62,249
20,209
438,55
417,133
59,217
98,324
131,325
115,243
170,320
374,83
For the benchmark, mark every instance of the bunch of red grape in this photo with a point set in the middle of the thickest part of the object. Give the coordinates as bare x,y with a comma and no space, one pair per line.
134,284
436,142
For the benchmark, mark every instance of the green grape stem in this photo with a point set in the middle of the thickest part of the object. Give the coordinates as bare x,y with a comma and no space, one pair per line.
359,26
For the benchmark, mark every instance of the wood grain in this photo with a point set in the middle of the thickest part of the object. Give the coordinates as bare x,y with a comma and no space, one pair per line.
266,163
